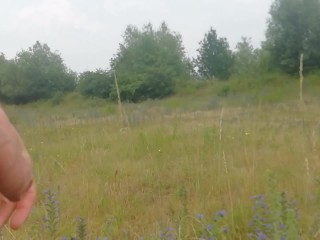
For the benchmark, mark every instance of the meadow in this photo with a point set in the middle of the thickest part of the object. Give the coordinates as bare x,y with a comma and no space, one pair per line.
194,166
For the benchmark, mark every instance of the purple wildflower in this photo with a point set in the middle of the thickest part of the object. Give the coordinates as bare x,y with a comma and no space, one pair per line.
200,216
262,236
225,230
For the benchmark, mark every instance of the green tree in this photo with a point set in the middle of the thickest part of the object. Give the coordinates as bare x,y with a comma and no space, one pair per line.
9,73
96,84
293,28
245,58
149,62
34,74
214,58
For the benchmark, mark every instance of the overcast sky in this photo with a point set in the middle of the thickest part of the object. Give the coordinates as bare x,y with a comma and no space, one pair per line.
87,33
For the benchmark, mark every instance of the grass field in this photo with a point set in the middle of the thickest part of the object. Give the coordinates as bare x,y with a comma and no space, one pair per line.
173,173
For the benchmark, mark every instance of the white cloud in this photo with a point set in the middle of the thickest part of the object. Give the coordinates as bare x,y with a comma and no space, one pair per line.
49,15
118,7
129,8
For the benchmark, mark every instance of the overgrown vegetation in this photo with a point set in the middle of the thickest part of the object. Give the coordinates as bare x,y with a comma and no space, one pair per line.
36,73
175,173
232,159
152,63
96,84
293,30
149,62
215,58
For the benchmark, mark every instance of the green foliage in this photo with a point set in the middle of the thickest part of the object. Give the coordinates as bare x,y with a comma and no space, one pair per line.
215,57
35,74
249,61
9,79
96,84
52,214
274,216
277,209
224,91
57,98
293,29
148,62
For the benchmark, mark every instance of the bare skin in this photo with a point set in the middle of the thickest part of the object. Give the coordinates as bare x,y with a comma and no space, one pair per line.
17,188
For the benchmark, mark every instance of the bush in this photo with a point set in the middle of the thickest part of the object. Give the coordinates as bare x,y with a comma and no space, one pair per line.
95,84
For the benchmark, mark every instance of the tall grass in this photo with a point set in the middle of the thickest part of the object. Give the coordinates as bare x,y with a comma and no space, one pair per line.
175,173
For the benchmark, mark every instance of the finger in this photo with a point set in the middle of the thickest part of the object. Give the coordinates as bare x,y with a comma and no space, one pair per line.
6,209
23,208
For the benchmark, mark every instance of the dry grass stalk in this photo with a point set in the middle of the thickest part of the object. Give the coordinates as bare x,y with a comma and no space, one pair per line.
123,114
301,78
226,167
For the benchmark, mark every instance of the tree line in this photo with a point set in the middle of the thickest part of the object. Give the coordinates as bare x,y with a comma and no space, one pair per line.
151,63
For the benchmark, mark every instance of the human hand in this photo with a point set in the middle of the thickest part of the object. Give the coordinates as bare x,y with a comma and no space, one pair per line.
17,212
17,189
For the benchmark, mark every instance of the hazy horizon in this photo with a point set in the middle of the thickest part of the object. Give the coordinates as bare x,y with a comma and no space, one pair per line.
87,34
